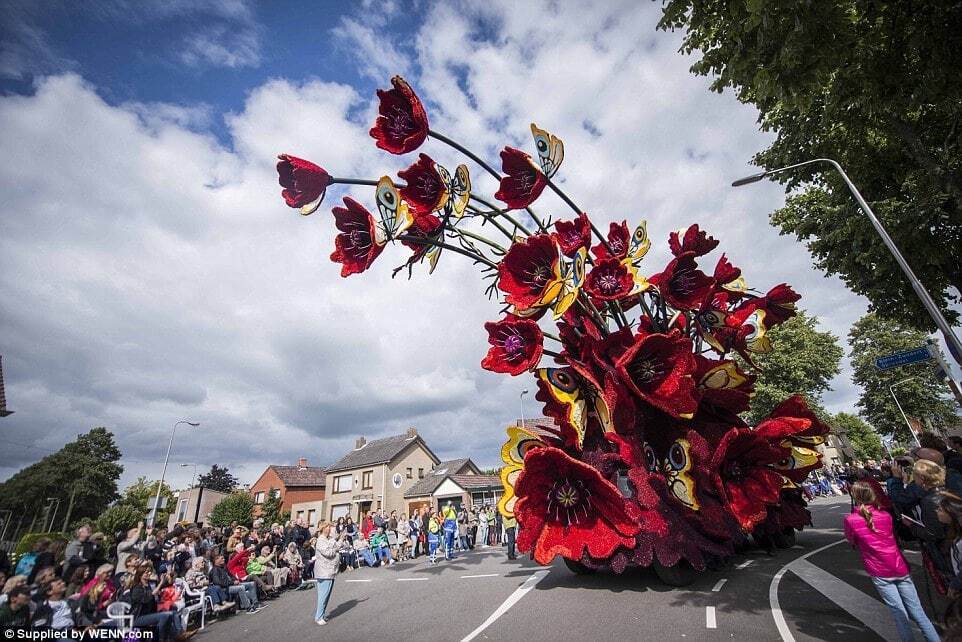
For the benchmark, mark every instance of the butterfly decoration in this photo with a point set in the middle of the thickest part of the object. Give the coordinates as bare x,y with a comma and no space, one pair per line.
520,441
738,286
798,461
562,291
722,377
458,189
639,244
757,340
396,218
551,150
579,400
677,469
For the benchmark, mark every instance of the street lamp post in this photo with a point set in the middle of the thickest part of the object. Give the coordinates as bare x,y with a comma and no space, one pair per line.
153,515
521,397
955,346
904,417
190,488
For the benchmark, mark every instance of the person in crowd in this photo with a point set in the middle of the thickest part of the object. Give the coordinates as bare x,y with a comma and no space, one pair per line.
38,557
76,581
494,527
54,612
245,593
403,537
449,517
350,528
327,553
130,544
953,456
197,579
472,528
870,530
340,526
930,479
414,528
12,583
80,550
510,532
143,608
153,549
949,513
367,525
463,528
96,594
279,574
382,549
434,536
44,576
291,558
362,547
237,567
483,527
392,522
15,612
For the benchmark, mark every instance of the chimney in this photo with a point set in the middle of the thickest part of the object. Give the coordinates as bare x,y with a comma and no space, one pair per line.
359,443
412,432
302,463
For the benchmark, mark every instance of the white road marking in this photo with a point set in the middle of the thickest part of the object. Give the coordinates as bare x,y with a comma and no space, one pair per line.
777,615
710,617
521,591
464,577
413,579
358,580
718,586
744,564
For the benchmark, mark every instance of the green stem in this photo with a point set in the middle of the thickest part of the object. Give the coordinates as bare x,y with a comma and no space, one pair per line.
419,240
550,353
478,237
552,336
500,212
491,219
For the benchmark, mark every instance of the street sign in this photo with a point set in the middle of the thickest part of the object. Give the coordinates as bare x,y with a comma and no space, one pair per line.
903,358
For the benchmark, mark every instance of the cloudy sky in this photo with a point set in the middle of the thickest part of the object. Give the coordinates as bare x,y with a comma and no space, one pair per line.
149,270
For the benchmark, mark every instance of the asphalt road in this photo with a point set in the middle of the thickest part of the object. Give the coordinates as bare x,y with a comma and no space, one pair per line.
820,593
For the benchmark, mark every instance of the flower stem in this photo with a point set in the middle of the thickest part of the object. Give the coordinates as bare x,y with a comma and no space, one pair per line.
550,353
552,336
353,181
478,237
501,212
491,219
420,240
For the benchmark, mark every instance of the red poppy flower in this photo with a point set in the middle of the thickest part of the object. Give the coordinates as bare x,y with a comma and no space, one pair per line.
527,269
691,239
354,246
618,239
779,304
609,280
522,182
742,472
425,192
683,285
303,181
725,272
795,406
566,507
658,368
573,235
402,123
425,227
516,345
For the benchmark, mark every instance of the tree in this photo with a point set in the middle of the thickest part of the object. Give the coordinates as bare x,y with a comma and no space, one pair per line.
119,518
873,85
141,496
236,507
865,441
921,394
218,479
273,508
803,361
82,475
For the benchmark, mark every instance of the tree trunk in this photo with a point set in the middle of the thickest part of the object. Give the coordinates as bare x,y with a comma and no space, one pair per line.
66,519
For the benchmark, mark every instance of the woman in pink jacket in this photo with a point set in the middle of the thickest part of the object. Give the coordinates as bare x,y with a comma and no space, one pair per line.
870,529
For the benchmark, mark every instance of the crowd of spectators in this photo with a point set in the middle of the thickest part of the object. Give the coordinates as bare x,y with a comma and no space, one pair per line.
166,580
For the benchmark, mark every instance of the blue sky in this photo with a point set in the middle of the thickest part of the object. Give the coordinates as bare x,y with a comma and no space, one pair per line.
157,275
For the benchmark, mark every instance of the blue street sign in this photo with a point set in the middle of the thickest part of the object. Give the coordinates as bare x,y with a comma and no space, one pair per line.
903,358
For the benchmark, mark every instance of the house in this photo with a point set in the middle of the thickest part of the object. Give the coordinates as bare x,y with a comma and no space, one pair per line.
459,481
294,484
376,474
194,505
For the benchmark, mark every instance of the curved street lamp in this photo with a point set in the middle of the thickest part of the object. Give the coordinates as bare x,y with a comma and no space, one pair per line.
955,346
153,515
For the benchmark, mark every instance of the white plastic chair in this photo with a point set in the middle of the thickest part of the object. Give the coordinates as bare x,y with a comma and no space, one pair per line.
190,606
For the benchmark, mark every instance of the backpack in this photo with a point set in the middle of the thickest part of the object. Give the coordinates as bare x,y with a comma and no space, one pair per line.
26,564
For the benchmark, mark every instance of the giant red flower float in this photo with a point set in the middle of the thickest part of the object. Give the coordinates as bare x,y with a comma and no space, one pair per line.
569,509
644,458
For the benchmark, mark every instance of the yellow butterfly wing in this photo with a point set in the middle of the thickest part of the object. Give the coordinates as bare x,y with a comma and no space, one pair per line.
572,280
566,390
460,190
639,245
677,468
396,217
551,151
520,441
722,377
756,339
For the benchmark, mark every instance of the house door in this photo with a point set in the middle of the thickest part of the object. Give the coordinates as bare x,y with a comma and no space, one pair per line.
362,509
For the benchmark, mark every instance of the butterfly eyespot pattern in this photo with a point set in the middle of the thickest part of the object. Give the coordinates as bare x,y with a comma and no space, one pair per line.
651,461
550,148
396,218
677,457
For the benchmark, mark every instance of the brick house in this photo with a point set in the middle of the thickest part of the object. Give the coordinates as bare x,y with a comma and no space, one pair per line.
295,484
376,474
459,481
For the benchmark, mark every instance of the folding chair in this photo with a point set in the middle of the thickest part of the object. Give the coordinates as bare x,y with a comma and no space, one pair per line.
193,601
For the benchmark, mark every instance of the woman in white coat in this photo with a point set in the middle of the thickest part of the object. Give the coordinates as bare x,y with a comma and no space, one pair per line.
326,560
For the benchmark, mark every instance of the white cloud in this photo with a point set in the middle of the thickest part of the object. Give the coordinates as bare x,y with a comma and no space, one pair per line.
222,46
151,274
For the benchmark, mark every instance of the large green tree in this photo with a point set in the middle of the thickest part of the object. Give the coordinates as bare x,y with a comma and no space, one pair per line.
141,496
803,361
921,394
236,507
866,443
872,84
82,476
218,479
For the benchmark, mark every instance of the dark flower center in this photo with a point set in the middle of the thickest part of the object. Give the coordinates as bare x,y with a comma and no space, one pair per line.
538,275
608,283
734,471
399,123
568,501
617,246
683,281
645,369
514,345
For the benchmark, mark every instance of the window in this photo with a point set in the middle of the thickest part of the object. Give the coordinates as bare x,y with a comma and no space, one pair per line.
310,517
410,473
340,510
420,473
259,497
276,493
182,512
367,479
342,483
300,514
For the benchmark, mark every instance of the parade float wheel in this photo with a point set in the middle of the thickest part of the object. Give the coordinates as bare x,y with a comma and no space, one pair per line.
785,539
578,568
681,574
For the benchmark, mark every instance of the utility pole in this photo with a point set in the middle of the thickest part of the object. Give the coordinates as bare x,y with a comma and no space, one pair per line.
73,494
